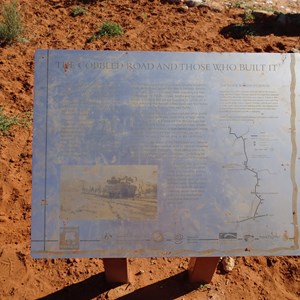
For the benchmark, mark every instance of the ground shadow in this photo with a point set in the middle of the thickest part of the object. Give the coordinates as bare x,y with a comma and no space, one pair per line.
167,289
84,290
277,24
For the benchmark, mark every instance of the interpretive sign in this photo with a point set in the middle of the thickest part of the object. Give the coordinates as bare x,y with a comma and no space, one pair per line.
140,154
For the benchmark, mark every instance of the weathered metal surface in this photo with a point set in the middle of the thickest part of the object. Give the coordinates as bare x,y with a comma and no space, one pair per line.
165,154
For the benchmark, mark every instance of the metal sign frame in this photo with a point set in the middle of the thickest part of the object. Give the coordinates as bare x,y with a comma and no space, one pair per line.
139,154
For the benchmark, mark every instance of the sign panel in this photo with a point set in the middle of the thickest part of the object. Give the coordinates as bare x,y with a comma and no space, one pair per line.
142,154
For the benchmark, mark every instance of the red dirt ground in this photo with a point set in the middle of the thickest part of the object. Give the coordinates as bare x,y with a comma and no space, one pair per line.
148,25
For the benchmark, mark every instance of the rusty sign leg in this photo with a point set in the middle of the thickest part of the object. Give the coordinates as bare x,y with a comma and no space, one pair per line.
202,269
116,270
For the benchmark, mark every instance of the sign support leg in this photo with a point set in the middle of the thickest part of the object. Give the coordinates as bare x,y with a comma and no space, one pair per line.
202,269
116,270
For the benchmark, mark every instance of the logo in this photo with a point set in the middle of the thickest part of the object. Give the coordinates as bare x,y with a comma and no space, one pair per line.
178,238
69,238
157,236
227,235
248,238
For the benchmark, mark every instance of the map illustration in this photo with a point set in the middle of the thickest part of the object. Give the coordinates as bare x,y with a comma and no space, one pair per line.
250,175
258,197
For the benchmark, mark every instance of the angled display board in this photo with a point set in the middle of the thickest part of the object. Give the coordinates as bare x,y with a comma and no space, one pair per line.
142,154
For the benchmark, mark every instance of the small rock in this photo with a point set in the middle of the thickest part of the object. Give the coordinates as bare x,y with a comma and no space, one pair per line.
262,14
215,7
194,3
228,263
183,8
140,272
294,50
24,155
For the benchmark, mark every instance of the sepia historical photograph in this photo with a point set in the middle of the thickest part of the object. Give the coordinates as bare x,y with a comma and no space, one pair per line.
109,192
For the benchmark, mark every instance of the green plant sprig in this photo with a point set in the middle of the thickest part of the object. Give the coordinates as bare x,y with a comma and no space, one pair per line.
78,11
7,122
108,29
11,26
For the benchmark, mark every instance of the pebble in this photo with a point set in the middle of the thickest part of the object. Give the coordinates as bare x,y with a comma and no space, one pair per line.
183,8
228,263
294,50
194,3
262,14
140,272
